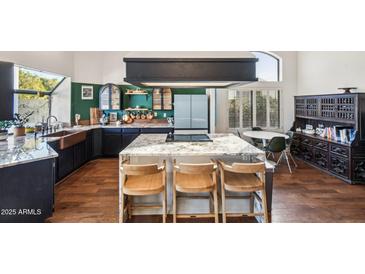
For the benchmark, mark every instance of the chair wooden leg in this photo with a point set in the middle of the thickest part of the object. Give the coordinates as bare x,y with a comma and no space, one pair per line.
264,206
174,204
215,194
291,157
164,206
287,161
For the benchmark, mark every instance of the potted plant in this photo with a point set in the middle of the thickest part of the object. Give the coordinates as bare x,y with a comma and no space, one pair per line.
4,126
19,123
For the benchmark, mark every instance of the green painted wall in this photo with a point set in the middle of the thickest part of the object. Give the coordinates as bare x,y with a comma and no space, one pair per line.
83,106
80,106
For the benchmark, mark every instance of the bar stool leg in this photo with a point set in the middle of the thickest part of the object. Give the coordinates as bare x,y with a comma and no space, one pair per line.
129,206
121,207
164,206
215,194
252,202
264,206
224,219
174,204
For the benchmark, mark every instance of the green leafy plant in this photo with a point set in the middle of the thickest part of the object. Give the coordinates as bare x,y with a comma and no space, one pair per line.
21,119
4,125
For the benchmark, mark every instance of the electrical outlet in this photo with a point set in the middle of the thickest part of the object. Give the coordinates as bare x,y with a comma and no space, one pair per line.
164,115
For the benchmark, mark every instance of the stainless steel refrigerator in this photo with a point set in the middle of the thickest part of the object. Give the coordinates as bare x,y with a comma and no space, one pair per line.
191,112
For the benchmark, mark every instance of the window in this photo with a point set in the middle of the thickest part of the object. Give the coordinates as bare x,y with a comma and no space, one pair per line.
267,67
254,108
33,90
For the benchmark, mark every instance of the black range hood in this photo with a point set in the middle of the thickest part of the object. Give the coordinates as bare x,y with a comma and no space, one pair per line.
190,72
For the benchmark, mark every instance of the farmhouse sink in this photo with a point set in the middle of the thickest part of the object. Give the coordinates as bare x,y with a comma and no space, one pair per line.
69,138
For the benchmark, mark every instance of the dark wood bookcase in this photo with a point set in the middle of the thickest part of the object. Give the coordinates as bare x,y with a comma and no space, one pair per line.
344,160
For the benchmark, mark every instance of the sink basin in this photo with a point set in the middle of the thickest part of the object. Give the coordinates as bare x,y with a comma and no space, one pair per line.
60,133
68,137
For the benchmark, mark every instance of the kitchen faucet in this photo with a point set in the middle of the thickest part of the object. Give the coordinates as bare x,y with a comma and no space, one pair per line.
48,124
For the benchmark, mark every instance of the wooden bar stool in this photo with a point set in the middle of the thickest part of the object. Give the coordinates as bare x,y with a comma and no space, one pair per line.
141,180
243,177
195,178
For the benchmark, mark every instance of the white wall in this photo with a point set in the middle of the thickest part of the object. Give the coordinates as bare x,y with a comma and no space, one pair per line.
321,72
61,102
287,85
108,66
60,62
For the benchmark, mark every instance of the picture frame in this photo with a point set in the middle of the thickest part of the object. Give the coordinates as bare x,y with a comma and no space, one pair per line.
87,92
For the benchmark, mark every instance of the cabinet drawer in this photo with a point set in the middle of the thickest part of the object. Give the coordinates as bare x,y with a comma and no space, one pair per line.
339,165
130,130
341,150
157,130
358,170
306,153
306,141
320,144
112,130
320,158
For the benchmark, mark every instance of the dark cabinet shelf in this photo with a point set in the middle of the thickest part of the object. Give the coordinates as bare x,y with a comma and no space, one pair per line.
344,160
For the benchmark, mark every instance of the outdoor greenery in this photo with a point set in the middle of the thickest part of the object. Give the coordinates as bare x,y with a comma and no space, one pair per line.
37,104
4,125
32,81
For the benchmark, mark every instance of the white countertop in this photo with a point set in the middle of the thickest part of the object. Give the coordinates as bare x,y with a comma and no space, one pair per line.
223,144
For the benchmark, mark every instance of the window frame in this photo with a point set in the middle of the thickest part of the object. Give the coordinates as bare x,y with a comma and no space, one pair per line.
278,59
253,92
18,91
36,92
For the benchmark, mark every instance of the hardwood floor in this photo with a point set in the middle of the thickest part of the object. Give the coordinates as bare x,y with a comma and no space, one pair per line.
307,195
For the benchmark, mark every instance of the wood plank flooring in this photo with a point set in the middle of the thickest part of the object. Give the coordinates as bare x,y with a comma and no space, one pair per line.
307,195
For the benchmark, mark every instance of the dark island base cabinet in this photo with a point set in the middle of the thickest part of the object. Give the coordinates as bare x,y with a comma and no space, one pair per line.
27,192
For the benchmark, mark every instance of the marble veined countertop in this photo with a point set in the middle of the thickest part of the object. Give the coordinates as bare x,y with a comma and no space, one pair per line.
223,144
22,150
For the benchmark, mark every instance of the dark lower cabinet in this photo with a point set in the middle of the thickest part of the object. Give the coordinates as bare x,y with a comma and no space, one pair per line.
27,191
65,162
331,157
97,139
162,130
80,154
112,141
99,142
358,170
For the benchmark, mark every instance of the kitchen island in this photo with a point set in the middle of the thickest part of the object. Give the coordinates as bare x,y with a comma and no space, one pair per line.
155,149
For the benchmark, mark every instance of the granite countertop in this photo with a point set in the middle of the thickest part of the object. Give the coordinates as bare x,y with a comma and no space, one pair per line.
20,150
24,149
223,144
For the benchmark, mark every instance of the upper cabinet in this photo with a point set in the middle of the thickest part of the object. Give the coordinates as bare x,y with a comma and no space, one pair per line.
110,97
162,99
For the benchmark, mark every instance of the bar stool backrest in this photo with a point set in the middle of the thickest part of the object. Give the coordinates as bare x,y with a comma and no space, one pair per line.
244,167
196,168
135,170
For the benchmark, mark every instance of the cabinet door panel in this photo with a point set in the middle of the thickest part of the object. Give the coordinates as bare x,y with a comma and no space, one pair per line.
199,111
65,162
112,144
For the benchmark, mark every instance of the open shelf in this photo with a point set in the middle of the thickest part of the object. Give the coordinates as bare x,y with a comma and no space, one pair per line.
136,109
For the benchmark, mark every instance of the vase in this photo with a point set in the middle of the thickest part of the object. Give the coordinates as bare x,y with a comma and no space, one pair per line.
19,131
3,135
